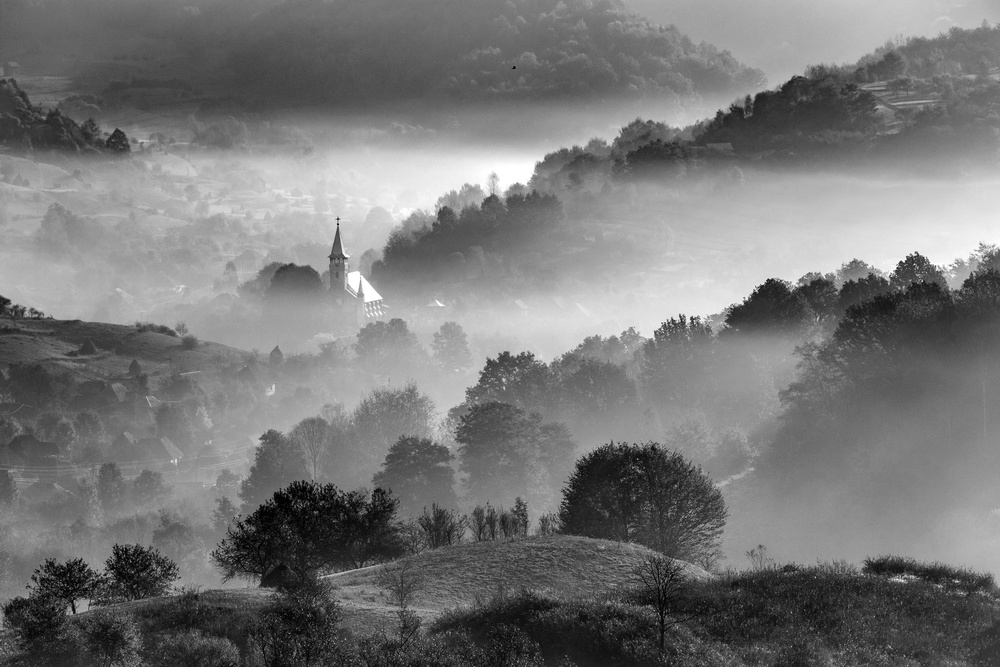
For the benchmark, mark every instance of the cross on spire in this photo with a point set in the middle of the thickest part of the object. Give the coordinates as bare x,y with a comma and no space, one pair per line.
337,252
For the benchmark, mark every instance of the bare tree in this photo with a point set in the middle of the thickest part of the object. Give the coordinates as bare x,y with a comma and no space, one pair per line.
442,527
662,583
400,583
312,435
493,184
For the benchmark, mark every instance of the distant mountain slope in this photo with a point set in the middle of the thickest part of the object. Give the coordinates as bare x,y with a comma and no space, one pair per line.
351,51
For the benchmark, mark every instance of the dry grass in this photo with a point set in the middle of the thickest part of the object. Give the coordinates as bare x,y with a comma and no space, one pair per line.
564,567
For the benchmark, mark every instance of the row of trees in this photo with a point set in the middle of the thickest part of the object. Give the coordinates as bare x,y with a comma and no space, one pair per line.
633,493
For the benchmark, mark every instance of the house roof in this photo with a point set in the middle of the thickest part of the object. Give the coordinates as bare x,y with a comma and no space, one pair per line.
337,252
28,446
120,392
357,282
160,448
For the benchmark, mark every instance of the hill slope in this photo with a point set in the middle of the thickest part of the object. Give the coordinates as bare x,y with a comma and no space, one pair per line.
563,567
56,344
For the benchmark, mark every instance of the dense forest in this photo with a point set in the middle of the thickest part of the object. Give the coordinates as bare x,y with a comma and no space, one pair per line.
350,53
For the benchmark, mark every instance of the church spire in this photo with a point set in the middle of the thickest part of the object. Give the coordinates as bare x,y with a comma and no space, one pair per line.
338,246
339,266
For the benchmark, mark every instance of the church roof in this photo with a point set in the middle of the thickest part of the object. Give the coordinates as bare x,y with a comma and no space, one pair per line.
356,282
338,247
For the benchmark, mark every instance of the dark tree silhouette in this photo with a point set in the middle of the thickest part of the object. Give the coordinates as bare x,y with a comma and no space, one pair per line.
277,462
644,494
118,143
135,572
916,269
309,528
70,581
418,472
293,281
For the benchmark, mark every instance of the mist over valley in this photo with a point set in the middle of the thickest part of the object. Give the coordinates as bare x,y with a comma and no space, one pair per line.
474,330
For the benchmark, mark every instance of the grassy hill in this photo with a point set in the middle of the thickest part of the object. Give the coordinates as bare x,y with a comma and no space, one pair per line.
568,597
56,345
563,567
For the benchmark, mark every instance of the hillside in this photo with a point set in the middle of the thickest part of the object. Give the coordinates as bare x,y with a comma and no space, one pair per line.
56,344
892,611
561,567
349,53
564,567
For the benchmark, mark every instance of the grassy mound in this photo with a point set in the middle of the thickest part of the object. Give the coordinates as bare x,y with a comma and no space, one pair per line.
561,567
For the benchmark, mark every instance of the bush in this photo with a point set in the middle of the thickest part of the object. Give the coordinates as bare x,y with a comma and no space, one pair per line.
112,637
189,342
142,327
41,630
956,578
191,648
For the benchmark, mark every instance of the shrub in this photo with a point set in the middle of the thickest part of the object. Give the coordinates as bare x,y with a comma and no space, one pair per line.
112,637
189,342
956,578
142,327
41,630
191,648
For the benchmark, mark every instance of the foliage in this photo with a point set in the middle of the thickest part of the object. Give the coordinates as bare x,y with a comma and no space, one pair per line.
277,462
451,347
118,143
646,494
953,578
386,347
453,246
298,627
69,582
385,415
41,630
110,487
112,638
418,472
499,450
192,648
773,309
309,527
189,341
573,50
149,487
135,572
292,281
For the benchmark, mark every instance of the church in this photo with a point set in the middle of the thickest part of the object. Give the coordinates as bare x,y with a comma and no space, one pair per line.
355,301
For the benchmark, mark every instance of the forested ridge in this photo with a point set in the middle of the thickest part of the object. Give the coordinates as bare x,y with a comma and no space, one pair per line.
348,53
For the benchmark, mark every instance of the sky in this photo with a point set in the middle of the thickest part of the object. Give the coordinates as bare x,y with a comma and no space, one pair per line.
783,37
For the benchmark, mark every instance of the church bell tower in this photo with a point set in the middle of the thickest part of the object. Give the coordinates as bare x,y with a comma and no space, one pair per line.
338,266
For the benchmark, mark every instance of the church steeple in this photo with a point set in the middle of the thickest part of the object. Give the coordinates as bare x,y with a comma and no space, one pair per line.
338,263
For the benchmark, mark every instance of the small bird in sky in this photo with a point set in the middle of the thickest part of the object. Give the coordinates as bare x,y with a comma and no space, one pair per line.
514,67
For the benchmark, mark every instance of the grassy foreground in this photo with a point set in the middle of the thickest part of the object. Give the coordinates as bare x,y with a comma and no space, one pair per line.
570,601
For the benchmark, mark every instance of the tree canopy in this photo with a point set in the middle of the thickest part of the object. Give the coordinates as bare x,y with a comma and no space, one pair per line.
309,528
645,494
